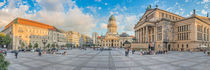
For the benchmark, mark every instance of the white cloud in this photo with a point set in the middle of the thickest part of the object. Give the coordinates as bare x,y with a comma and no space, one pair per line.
93,9
105,3
186,0
52,13
103,26
205,1
99,8
204,12
98,0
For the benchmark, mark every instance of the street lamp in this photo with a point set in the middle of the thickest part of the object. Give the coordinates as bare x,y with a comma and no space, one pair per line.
44,41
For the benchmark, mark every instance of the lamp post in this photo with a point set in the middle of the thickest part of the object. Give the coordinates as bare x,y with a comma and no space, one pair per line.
44,41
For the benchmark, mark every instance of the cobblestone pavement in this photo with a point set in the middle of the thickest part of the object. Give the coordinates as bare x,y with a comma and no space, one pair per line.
109,60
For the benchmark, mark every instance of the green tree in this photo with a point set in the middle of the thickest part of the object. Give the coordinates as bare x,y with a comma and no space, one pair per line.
30,46
53,45
36,45
4,39
3,64
22,45
57,46
48,46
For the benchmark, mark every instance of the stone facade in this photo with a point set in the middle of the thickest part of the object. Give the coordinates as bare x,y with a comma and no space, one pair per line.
24,31
112,38
161,30
73,38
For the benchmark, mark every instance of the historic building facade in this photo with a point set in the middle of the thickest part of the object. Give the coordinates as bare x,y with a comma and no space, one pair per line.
94,37
161,30
24,31
73,38
112,38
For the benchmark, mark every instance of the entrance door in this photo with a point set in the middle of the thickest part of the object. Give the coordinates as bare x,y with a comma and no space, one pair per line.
169,47
112,44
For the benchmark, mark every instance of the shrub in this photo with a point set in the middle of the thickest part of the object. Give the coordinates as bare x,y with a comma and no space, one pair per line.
3,64
208,52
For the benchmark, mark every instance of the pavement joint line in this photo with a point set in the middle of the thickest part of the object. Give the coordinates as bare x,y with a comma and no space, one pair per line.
111,62
139,64
84,63
52,63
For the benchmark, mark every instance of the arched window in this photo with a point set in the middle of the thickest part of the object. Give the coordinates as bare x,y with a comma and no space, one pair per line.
187,45
182,45
177,45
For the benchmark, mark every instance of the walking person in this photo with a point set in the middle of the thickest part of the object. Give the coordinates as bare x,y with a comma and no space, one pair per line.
16,54
5,52
133,51
125,52
40,53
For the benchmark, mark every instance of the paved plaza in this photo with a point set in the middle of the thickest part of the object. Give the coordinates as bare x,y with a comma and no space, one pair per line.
109,60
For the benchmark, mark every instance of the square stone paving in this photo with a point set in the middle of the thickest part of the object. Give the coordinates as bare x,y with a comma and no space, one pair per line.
109,60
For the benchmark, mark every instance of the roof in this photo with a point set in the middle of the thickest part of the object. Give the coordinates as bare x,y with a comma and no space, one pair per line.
31,23
127,42
112,17
204,19
124,35
201,18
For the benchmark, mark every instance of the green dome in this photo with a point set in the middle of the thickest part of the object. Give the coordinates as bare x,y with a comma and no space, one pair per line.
112,17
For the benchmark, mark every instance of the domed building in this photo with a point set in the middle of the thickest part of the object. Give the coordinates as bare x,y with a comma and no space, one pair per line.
112,38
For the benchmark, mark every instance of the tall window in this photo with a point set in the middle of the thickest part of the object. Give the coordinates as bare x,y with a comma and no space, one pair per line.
183,32
199,32
207,34
159,33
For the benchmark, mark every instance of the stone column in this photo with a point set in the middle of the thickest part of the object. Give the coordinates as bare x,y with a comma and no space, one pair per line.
140,35
147,34
143,34
135,33
137,37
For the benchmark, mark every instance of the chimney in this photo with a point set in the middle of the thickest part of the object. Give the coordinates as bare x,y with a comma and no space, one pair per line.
156,6
193,11
207,15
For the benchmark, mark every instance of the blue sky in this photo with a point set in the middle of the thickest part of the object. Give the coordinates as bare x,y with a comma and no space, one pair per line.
87,16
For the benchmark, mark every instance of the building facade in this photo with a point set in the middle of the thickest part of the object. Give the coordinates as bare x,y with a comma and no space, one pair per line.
94,37
161,30
73,38
24,31
112,38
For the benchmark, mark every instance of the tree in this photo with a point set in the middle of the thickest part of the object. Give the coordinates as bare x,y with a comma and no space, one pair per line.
4,39
30,46
36,45
53,45
3,64
57,46
22,45
48,46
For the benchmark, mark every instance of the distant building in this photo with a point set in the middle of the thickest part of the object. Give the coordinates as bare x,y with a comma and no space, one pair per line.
162,30
85,40
94,37
112,38
73,38
24,31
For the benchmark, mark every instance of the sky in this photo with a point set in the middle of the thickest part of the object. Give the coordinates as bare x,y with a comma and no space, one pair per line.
87,16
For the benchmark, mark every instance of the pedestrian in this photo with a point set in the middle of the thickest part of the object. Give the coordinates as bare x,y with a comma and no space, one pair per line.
5,52
126,52
40,53
16,54
204,51
133,51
